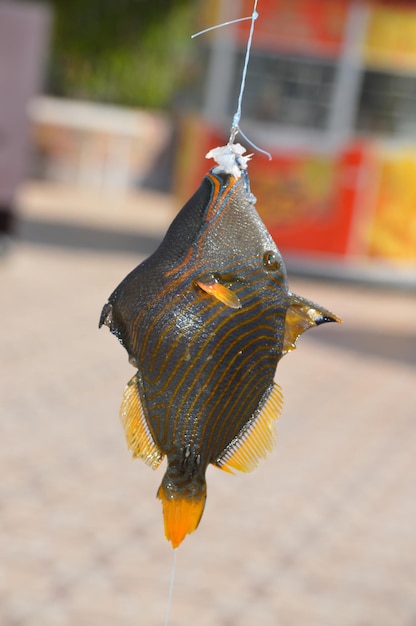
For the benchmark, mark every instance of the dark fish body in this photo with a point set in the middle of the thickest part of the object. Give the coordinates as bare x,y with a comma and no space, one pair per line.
205,320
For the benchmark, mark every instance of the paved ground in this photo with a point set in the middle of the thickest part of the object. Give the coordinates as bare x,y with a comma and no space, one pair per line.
322,534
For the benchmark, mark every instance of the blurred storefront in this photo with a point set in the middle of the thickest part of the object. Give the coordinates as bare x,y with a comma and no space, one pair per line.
331,93
24,37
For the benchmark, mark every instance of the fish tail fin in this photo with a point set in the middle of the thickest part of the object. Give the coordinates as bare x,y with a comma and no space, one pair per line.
182,511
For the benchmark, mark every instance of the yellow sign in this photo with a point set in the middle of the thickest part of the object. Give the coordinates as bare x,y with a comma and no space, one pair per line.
391,37
393,229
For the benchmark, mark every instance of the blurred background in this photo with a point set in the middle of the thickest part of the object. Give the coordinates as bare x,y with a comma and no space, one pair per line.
119,98
107,110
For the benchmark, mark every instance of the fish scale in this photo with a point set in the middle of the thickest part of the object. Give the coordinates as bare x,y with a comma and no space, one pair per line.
205,321
223,341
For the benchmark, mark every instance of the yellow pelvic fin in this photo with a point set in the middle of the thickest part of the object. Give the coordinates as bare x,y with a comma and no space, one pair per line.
138,436
181,515
301,315
256,439
221,293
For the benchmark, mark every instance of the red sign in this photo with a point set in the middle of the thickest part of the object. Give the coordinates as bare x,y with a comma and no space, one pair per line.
307,201
311,26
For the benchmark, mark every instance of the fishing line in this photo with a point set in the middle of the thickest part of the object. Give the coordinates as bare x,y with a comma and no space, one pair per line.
206,30
235,128
170,594
253,145
237,115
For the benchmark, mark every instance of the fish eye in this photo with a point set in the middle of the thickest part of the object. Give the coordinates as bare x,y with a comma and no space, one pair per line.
270,260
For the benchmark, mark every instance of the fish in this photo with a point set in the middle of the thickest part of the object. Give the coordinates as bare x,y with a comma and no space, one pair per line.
205,320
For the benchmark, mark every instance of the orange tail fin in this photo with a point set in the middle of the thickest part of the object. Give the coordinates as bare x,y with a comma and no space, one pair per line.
181,515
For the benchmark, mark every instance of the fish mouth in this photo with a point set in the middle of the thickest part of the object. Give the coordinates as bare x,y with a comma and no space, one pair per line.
106,316
323,319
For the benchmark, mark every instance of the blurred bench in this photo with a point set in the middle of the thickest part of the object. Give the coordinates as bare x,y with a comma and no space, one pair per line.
93,145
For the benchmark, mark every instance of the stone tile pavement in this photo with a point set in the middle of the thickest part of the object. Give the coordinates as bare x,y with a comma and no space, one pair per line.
321,534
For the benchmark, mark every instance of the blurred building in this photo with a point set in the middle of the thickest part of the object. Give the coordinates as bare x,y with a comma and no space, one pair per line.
331,93
97,146
24,30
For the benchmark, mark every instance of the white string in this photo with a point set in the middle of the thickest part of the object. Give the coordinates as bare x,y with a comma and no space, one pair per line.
237,115
235,128
172,580
253,145
206,30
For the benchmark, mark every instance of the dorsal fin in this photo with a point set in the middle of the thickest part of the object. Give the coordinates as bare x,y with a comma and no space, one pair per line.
138,435
301,315
256,439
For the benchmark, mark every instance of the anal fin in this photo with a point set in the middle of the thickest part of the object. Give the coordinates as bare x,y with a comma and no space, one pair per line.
256,439
138,435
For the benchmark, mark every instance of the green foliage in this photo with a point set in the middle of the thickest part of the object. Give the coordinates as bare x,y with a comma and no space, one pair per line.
129,52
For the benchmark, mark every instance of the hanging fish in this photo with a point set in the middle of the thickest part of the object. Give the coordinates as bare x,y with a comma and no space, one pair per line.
205,320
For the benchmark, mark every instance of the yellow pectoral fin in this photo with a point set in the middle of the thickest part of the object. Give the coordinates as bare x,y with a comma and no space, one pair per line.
256,439
221,293
301,315
138,436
